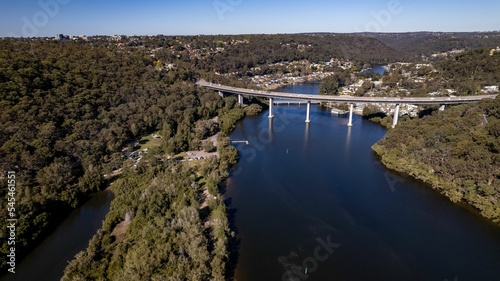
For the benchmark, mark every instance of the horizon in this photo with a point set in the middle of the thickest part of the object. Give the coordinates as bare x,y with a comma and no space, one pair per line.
46,18
255,34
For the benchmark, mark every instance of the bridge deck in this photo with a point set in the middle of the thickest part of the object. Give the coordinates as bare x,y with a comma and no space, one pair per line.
346,99
292,102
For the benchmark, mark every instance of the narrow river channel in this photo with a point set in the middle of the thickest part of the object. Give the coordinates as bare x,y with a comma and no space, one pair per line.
312,202
48,260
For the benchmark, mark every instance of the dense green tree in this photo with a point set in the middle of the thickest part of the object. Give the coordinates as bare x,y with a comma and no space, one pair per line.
68,108
456,151
332,84
156,229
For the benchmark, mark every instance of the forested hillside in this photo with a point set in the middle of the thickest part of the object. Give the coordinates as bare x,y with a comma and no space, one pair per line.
243,52
315,48
416,44
67,109
457,151
470,71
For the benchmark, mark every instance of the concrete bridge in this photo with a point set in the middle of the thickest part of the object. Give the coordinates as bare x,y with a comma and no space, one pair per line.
340,99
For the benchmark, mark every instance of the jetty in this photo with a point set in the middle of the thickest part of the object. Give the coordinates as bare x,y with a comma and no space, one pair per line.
239,141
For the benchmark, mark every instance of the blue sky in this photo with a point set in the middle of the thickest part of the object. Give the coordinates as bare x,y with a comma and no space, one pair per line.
187,17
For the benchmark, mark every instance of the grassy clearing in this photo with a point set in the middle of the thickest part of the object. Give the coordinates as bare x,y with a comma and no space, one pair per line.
149,142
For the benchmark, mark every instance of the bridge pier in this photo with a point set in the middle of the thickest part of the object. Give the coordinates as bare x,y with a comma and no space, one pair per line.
221,94
271,108
308,112
396,116
442,107
351,109
240,100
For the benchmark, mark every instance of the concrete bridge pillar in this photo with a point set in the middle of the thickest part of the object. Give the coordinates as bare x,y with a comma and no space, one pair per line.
442,107
396,116
221,94
351,109
308,113
271,108
240,100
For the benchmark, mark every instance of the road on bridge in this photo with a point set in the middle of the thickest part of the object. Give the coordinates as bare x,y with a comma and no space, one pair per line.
346,99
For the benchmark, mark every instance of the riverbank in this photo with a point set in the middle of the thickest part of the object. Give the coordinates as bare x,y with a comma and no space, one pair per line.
49,259
44,221
462,164
155,210
448,189
176,205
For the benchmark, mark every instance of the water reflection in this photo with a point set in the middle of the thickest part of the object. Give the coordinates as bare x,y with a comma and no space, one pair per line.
306,135
348,140
270,128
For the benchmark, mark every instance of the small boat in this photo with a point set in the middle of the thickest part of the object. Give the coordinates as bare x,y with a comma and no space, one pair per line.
338,111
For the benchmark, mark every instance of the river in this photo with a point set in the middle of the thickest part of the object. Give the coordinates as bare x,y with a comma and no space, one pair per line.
311,201
48,261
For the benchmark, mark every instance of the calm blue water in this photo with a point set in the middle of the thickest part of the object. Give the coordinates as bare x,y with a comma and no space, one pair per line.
314,197
379,69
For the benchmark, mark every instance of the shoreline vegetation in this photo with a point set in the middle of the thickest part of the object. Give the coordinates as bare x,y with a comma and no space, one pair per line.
169,220
455,151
